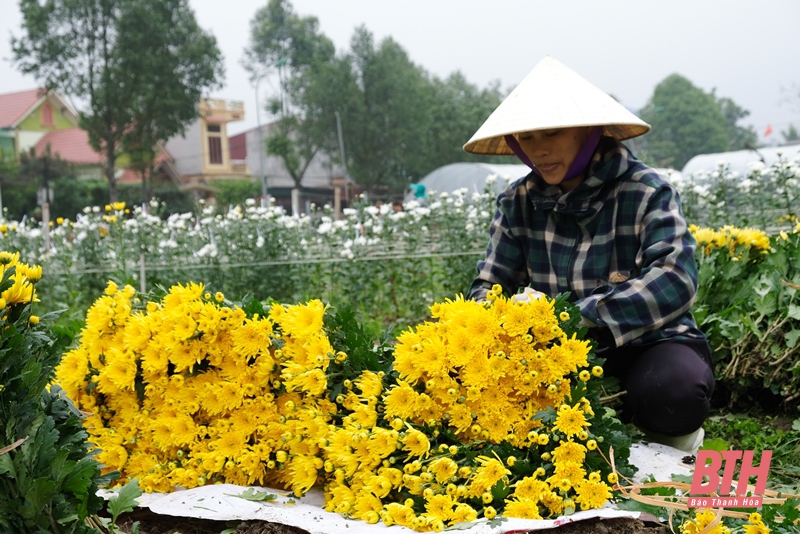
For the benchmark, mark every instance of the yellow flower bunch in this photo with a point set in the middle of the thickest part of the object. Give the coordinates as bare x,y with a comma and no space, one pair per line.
485,369
479,379
187,391
701,523
24,278
735,240
705,522
486,409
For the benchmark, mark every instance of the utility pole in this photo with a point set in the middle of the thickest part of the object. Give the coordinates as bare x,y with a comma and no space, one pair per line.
344,164
264,189
45,202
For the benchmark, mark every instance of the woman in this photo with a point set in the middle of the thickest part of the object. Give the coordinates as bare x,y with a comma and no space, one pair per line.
593,220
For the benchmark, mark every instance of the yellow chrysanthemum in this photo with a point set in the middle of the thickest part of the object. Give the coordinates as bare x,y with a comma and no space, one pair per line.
570,421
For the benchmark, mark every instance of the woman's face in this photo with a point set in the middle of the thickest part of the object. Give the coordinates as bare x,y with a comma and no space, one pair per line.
553,151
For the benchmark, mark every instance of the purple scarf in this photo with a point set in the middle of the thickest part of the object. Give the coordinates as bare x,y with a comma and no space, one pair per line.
578,166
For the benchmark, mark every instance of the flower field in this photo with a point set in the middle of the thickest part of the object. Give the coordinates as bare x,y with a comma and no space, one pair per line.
252,347
391,266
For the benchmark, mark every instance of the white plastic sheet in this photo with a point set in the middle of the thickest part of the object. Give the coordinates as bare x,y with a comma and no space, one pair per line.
222,502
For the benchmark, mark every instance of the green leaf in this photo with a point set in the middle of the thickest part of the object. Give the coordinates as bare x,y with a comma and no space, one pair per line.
686,479
251,494
125,501
7,466
791,338
716,444
793,312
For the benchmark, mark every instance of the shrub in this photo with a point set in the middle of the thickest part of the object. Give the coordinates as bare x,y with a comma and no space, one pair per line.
48,481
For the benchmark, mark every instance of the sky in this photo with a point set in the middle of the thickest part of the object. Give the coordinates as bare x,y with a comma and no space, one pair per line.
745,50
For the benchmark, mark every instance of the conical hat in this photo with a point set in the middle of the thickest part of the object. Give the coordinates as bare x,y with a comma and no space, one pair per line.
553,96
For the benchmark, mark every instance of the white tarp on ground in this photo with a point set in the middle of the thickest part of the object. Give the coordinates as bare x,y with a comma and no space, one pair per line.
222,502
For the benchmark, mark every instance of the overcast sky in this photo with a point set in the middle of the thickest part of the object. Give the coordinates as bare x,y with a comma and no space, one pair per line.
746,50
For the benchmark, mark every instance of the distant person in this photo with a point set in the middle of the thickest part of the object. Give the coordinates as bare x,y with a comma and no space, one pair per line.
592,220
419,192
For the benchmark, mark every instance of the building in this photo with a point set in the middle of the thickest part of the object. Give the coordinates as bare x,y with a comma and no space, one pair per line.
35,119
202,154
319,182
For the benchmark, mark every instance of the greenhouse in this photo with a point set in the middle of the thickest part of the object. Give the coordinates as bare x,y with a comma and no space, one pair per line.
740,162
473,176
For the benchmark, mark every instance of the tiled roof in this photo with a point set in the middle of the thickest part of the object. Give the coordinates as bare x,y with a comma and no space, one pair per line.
72,145
13,106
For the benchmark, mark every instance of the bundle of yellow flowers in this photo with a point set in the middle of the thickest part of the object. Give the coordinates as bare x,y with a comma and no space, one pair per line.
488,408
190,390
492,411
737,241
23,278
708,522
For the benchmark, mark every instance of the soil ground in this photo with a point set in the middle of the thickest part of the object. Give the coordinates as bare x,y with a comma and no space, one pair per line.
150,523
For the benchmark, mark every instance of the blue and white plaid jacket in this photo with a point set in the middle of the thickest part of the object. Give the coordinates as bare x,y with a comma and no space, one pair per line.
618,243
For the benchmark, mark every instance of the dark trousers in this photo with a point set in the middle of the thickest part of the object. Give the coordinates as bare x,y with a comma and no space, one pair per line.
669,384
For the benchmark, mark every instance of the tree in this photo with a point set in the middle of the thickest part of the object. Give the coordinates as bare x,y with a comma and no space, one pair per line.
739,137
458,109
283,43
686,121
141,66
790,134
387,129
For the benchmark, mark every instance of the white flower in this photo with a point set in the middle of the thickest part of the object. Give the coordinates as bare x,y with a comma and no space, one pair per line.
492,178
95,209
208,250
250,202
349,211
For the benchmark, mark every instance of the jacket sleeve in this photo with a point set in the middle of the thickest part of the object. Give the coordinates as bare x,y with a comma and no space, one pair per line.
505,262
666,287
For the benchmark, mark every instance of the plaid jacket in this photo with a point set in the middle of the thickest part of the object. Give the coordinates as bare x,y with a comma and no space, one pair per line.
618,243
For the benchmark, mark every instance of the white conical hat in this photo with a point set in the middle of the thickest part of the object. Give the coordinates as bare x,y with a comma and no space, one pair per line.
553,96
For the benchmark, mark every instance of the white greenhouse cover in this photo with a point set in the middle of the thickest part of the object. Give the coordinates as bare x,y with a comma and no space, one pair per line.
473,176
222,502
741,161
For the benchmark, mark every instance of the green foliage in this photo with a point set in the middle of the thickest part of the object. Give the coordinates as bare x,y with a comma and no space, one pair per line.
739,137
236,192
48,480
282,42
686,121
790,134
125,500
141,66
750,311
762,433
